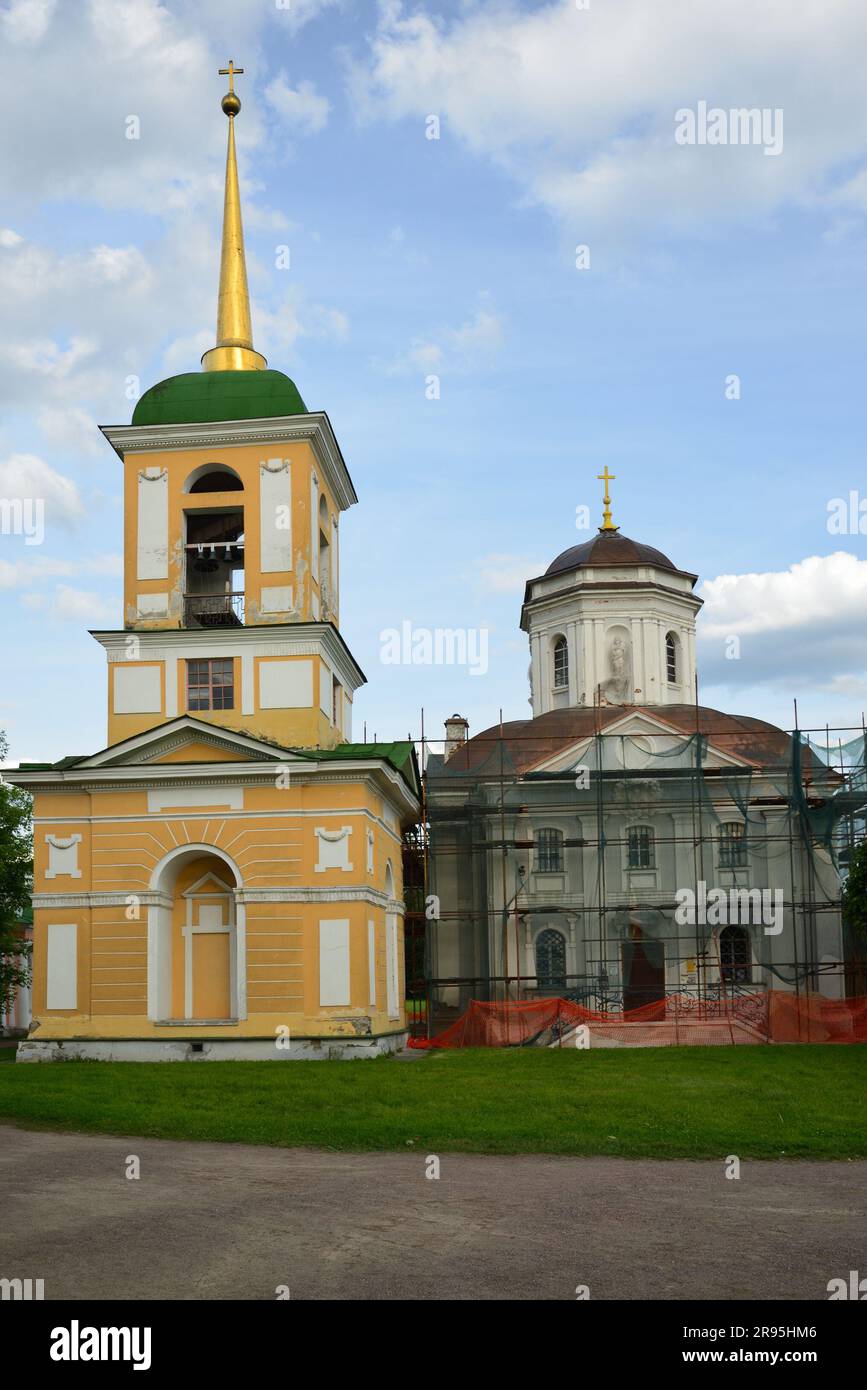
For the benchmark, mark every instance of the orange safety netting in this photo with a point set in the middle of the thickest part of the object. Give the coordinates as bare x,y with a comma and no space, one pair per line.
771,1016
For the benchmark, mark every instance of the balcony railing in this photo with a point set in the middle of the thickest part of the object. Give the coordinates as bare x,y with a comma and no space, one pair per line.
214,610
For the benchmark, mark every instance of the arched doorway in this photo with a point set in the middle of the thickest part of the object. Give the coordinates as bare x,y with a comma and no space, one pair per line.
196,948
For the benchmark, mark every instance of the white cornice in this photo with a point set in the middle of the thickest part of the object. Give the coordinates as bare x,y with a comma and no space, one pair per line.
144,898
120,777
267,639
314,428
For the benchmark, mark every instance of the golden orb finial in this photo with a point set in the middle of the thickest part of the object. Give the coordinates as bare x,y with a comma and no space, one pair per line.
231,102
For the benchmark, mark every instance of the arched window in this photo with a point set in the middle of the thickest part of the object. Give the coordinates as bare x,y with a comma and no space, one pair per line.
561,664
549,851
639,847
551,960
672,664
214,477
732,846
735,955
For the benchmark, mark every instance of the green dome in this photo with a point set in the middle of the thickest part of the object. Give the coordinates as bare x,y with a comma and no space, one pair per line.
197,397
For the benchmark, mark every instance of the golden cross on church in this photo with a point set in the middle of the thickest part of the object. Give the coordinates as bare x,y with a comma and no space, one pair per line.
230,72
606,478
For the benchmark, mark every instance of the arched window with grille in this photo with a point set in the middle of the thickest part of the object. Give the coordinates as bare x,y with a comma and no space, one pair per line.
640,847
561,664
735,955
551,960
732,846
549,851
672,659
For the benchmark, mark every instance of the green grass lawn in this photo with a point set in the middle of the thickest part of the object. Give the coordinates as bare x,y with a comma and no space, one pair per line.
690,1102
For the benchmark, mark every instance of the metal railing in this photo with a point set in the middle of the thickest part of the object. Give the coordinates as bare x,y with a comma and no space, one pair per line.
214,610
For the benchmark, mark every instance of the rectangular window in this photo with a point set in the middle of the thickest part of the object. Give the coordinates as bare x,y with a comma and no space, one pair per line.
210,684
639,845
732,846
549,852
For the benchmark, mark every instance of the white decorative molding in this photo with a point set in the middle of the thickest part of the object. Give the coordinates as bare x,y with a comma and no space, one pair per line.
314,526
83,901
275,598
334,974
61,988
275,505
286,684
63,857
138,689
333,849
152,558
374,897
152,605
196,797
326,677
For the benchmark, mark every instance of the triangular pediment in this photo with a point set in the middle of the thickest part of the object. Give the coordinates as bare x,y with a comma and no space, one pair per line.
188,740
197,751
648,741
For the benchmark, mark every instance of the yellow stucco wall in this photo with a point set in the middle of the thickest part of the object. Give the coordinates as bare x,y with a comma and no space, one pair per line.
272,843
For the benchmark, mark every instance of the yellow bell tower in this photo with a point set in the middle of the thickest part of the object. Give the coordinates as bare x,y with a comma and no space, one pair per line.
224,879
232,495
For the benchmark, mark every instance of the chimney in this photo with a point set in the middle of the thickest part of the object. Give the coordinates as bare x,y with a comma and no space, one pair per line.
457,730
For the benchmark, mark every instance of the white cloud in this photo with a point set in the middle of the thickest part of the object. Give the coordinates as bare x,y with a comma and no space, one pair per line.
829,589
21,573
26,477
302,108
461,349
798,628
67,604
507,574
579,105
25,21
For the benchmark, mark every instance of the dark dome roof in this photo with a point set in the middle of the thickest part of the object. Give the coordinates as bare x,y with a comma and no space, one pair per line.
609,548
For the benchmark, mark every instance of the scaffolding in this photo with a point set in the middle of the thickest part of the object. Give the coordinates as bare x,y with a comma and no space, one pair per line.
677,869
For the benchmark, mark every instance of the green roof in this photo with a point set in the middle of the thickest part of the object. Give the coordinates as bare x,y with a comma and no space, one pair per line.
400,755
196,397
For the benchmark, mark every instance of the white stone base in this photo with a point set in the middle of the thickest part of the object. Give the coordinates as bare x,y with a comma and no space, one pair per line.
212,1049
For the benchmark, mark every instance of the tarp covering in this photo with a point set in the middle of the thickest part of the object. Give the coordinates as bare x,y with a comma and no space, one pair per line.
768,1016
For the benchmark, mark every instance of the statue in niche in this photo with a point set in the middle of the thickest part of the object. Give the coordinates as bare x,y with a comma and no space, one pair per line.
617,688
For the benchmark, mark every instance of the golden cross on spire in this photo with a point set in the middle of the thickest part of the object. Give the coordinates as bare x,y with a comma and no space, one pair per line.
606,478
230,72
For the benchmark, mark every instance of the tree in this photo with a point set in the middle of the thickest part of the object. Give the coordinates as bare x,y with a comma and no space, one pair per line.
855,893
15,878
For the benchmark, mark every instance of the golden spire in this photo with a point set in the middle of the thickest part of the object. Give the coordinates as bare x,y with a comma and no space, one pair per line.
606,478
234,350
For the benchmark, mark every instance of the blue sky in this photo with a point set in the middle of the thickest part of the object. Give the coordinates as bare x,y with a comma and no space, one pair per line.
454,256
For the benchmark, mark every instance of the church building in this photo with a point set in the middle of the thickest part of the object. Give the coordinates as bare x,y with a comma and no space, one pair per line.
223,878
625,844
